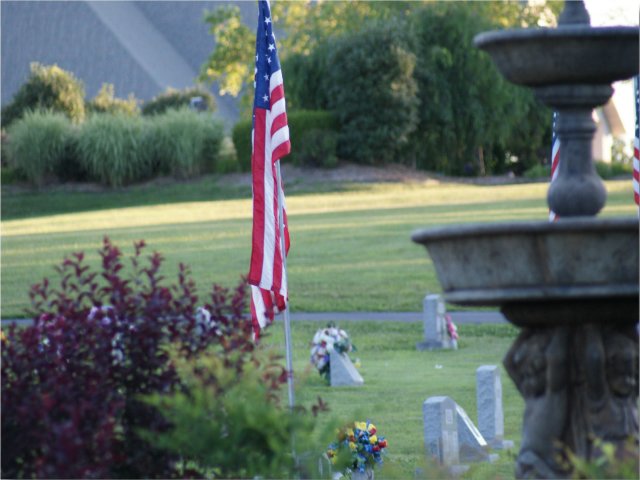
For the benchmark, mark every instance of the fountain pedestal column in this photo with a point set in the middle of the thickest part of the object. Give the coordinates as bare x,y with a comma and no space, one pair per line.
578,190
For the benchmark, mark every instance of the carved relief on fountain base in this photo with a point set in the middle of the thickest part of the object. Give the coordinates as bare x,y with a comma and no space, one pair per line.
580,384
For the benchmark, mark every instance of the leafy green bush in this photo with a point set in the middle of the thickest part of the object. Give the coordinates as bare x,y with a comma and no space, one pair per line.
373,93
613,169
615,461
241,136
302,120
229,424
106,102
299,122
317,149
3,148
9,175
606,170
304,76
47,88
38,143
184,143
227,159
175,99
538,171
110,149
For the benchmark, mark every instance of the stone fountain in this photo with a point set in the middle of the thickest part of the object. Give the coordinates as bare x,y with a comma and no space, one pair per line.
571,285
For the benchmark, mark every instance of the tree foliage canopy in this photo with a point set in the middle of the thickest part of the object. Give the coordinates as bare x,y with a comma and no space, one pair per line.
231,62
403,79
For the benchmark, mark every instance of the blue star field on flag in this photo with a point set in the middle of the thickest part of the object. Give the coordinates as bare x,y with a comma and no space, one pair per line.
266,56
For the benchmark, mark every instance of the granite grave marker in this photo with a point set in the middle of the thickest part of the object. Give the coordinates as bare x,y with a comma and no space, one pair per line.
343,372
441,430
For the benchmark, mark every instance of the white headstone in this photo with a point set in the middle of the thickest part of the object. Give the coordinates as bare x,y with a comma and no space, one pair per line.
343,372
441,430
436,335
473,446
489,402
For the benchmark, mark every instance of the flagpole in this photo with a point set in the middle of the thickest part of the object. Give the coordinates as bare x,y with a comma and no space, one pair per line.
287,320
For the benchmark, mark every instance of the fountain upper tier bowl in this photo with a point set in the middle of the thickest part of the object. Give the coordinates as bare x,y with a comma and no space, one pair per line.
575,261
576,54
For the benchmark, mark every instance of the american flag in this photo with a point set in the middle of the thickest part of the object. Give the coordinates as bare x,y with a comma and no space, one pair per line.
555,158
636,145
270,140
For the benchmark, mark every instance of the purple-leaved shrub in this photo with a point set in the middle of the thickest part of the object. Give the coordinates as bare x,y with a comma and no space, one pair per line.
73,383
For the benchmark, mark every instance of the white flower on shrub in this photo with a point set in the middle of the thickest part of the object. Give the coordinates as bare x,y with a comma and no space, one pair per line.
107,312
204,322
108,315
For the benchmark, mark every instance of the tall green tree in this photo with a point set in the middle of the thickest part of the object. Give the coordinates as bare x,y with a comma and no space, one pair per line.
303,25
468,111
372,91
469,119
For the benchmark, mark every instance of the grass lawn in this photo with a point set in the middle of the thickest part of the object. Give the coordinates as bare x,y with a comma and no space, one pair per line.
398,379
351,249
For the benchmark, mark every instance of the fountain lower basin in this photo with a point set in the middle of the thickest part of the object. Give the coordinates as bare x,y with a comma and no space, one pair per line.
577,269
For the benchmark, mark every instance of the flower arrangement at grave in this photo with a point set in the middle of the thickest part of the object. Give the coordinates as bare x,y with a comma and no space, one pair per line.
364,445
324,342
452,330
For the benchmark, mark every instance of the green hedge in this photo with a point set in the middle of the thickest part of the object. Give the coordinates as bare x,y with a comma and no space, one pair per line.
317,148
300,122
538,171
47,88
241,136
606,170
613,169
38,144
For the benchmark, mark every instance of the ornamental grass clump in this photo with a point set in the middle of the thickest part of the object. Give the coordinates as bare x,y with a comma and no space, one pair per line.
183,142
110,149
74,383
38,143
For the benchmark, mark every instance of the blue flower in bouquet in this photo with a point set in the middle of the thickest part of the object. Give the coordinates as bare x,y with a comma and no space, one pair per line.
364,444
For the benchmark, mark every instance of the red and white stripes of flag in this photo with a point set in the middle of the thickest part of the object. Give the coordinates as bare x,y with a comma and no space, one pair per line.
636,144
555,158
270,142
